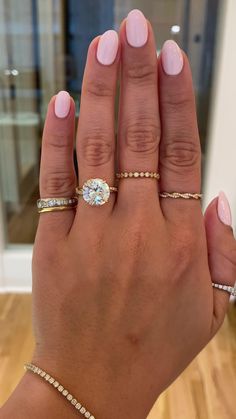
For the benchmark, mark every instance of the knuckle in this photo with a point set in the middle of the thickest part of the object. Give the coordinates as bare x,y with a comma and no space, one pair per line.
143,137
232,257
184,248
98,87
182,152
97,149
138,73
59,140
179,100
58,182
46,256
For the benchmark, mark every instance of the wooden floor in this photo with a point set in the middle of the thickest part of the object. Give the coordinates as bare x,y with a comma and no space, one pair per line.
206,390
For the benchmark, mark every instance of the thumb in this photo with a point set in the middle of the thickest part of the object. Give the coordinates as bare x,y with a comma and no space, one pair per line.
221,253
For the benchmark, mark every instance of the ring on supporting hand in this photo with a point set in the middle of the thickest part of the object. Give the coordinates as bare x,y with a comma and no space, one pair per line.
56,204
125,175
96,192
177,195
227,288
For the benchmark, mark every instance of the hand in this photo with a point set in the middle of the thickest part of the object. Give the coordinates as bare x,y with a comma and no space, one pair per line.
122,293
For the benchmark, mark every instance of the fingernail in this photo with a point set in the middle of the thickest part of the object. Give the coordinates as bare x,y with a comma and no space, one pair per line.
223,208
107,47
62,104
172,58
136,28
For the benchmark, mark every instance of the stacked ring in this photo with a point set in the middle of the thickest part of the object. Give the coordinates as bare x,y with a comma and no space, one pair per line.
176,195
144,175
56,204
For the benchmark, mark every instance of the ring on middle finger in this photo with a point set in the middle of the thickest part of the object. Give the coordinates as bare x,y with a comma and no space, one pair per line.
144,175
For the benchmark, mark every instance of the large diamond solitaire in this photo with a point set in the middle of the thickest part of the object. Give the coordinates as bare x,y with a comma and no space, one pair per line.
96,191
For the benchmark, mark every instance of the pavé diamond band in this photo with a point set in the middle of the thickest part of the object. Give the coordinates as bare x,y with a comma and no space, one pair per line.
227,288
96,192
56,204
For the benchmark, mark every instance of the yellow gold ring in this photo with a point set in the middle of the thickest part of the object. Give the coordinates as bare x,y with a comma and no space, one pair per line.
56,204
176,195
125,175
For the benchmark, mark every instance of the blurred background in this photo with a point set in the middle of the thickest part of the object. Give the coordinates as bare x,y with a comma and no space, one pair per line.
43,46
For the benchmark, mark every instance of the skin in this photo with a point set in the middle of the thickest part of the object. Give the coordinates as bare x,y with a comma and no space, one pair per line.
122,294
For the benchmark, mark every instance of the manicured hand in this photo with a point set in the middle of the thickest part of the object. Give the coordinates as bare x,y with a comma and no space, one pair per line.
122,293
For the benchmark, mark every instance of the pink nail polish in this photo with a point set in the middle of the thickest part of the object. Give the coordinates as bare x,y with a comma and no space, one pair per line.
62,104
223,208
108,47
136,28
172,58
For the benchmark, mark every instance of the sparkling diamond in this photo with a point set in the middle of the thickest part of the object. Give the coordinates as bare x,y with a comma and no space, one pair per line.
136,174
96,192
69,397
146,174
78,406
82,410
142,174
74,402
56,384
130,174
87,414
126,174
65,392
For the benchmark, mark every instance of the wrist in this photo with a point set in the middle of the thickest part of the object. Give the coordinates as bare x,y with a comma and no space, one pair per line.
34,398
102,392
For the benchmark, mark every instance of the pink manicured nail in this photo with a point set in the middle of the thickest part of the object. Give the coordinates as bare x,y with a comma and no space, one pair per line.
107,47
62,104
136,28
223,208
172,58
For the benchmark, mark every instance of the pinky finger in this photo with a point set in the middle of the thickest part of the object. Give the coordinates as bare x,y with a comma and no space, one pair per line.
57,173
221,254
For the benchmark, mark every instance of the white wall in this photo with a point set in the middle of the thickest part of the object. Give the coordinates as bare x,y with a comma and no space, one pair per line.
221,153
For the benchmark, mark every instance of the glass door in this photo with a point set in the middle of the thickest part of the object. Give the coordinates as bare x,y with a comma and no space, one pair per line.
43,46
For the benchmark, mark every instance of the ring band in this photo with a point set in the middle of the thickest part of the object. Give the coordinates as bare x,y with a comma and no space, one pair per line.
96,192
56,204
176,195
227,288
123,175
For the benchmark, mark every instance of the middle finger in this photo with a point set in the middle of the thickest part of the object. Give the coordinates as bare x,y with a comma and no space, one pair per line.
139,122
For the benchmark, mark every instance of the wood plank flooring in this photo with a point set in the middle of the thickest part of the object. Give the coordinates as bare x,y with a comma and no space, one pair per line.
206,390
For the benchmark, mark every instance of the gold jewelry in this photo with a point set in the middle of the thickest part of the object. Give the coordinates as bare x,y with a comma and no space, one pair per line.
71,399
96,192
227,288
144,175
56,204
177,195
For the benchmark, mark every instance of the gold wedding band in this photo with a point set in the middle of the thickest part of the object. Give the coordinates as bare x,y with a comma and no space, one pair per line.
176,195
125,175
56,204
